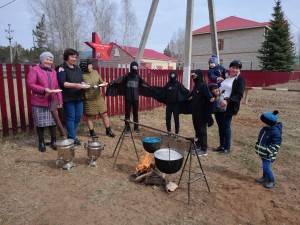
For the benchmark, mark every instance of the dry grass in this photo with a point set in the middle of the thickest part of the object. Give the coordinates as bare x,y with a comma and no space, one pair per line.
34,191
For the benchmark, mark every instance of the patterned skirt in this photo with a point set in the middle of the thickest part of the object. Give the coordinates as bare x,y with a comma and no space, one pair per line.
42,116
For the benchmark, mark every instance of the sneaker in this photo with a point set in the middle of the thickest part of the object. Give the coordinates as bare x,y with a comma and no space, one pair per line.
201,153
270,184
218,149
93,133
176,138
224,151
137,131
261,180
77,142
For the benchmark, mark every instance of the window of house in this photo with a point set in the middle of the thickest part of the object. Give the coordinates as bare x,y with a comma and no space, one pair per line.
117,52
221,44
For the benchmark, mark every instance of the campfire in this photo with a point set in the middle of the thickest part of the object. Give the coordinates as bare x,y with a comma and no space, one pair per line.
146,164
147,173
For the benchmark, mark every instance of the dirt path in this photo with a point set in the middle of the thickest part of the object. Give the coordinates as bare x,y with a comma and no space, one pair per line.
34,191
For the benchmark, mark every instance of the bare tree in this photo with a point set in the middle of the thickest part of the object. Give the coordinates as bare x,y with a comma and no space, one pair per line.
102,14
128,24
62,21
176,45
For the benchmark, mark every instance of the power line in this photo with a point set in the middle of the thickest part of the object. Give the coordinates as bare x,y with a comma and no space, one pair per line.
7,4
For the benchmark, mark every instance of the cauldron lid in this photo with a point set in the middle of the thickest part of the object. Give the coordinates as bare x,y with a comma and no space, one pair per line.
167,154
65,142
151,139
94,144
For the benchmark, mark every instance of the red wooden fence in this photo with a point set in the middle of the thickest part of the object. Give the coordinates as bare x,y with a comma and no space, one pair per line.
15,102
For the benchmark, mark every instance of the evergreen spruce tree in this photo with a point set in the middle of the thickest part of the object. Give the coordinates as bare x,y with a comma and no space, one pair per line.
167,51
40,37
276,52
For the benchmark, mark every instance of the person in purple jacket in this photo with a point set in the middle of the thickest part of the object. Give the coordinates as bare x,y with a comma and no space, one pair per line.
42,81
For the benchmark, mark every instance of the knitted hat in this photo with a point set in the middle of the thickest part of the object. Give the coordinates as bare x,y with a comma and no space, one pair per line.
45,55
213,59
213,87
269,118
236,63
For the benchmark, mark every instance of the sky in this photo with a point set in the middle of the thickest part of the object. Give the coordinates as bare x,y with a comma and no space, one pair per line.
169,17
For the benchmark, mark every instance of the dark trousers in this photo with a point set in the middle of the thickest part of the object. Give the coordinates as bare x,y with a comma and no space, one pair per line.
135,109
200,126
172,108
224,125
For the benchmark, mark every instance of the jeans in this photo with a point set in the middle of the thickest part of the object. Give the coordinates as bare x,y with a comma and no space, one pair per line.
267,170
73,111
135,109
172,108
224,125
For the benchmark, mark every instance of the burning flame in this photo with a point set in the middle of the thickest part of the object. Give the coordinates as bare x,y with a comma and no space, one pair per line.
145,163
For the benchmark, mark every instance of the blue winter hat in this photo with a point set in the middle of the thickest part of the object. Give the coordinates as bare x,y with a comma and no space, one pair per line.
269,118
213,59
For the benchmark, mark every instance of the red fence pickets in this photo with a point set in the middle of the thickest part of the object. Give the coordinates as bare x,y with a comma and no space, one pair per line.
28,97
115,105
20,97
4,119
12,99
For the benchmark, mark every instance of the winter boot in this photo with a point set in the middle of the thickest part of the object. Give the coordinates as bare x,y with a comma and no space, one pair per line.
109,132
42,145
53,143
261,180
270,184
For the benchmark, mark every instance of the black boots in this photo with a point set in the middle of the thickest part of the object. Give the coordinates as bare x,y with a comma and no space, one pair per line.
42,145
109,132
93,133
53,143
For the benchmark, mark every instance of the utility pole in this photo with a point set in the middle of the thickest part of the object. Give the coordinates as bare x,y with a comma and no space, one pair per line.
9,31
188,43
146,32
213,28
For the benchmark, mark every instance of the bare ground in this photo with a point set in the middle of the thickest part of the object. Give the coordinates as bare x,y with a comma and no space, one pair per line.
34,191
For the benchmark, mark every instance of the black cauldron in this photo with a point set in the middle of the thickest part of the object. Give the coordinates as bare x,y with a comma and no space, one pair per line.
168,160
151,144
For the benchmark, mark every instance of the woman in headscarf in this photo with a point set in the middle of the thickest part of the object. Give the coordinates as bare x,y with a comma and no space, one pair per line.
42,81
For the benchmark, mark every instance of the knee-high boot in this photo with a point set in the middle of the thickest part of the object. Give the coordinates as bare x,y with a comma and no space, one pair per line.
52,130
40,133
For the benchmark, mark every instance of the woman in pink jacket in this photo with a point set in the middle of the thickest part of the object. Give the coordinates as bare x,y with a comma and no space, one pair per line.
42,81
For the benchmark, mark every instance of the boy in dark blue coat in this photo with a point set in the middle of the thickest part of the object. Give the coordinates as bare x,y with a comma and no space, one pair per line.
216,72
267,146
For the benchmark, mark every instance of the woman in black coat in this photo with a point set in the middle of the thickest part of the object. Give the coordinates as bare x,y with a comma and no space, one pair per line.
234,86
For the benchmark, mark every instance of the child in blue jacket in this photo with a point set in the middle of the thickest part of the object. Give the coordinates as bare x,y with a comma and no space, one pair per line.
267,146
216,72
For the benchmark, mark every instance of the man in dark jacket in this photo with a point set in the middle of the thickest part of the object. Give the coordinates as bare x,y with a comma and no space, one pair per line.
131,85
201,109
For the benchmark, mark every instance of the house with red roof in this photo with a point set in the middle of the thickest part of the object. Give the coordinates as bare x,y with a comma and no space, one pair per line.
237,39
122,56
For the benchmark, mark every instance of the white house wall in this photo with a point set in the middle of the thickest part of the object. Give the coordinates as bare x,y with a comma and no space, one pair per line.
238,44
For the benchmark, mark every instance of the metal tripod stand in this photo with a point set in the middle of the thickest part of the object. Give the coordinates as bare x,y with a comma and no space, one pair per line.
200,174
121,139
